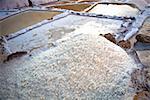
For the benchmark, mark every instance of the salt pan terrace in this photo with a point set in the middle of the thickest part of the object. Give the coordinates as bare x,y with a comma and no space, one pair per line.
45,35
65,56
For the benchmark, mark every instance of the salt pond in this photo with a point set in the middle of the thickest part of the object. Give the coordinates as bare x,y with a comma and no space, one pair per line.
114,10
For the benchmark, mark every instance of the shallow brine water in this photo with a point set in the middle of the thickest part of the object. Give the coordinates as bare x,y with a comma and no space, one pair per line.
17,22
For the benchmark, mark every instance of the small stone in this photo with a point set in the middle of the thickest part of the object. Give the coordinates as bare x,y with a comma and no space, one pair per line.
110,37
143,38
124,44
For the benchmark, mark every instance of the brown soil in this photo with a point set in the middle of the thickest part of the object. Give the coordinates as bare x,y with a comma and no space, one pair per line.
23,20
122,43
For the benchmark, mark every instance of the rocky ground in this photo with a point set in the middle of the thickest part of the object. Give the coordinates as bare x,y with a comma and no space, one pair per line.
145,54
141,76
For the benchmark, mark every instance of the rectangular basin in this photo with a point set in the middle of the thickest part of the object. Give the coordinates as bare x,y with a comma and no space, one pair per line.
71,25
24,19
75,7
124,10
